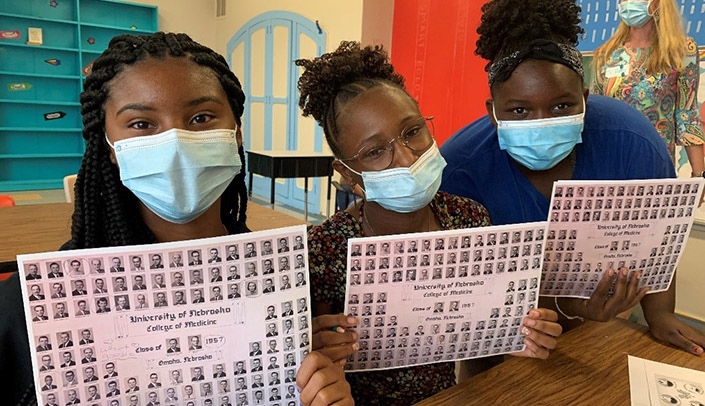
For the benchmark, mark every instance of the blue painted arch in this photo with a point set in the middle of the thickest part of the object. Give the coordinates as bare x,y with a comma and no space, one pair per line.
296,25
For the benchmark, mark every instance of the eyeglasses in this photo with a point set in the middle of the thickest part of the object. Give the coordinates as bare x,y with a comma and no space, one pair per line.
417,137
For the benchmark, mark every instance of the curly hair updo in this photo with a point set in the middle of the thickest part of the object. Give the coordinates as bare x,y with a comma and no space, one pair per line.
333,79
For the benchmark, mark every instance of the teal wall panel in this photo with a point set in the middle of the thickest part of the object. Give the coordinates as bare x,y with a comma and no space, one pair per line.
40,84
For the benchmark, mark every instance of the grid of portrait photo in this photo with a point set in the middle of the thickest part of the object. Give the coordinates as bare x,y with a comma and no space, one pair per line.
642,225
215,321
442,296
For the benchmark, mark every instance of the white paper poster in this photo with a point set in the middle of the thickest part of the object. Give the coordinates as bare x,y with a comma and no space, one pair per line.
596,225
222,320
441,296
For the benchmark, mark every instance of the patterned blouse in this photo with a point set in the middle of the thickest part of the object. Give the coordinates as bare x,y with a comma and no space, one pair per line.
669,101
327,246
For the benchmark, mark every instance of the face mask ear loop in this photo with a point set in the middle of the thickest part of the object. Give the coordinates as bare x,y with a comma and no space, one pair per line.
354,185
108,141
494,114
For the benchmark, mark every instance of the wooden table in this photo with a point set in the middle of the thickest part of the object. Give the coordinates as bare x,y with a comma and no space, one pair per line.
45,227
291,164
33,228
588,368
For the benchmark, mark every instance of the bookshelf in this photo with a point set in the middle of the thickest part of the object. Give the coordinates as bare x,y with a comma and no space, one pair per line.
40,84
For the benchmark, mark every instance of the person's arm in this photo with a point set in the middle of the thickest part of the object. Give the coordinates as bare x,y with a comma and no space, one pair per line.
322,382
696,158
664,325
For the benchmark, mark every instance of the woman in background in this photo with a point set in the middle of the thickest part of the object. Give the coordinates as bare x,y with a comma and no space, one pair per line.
652,64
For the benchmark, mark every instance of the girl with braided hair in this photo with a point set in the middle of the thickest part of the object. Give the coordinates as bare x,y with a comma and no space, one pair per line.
140,204
362,105
163,162
542,127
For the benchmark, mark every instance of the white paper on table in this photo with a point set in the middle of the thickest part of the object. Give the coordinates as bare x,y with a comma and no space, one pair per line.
441,296
193,346
654,384
594,225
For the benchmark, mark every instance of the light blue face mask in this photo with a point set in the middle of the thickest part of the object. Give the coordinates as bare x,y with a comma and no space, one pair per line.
634,13
178,174
405,190
540,144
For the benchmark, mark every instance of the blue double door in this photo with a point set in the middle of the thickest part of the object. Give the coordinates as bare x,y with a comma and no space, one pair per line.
262,55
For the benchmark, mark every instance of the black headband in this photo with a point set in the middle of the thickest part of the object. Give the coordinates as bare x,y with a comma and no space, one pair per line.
540,49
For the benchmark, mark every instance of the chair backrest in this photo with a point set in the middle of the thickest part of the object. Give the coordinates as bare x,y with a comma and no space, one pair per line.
6,201
344,196
69,184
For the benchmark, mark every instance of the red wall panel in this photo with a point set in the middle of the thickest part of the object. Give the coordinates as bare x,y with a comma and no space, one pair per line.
433,45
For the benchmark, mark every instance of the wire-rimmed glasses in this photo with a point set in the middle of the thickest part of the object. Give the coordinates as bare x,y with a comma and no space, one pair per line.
417,136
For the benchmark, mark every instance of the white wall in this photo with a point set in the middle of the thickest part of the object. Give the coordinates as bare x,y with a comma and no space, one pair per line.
377,21
193,17
690,284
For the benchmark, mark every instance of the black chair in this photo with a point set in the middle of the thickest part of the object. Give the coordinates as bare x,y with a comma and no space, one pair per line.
344,196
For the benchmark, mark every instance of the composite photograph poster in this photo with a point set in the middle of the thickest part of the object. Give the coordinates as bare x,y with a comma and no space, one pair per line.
440,296
222,320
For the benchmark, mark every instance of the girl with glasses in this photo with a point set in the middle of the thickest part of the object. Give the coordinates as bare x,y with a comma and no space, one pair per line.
385,151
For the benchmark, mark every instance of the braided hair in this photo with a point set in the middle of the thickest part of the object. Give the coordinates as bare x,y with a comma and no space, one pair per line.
508,26
333,79
106,212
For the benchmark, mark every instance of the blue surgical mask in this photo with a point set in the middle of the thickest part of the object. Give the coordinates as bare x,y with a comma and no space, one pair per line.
540,144
405,190
178,174
634,13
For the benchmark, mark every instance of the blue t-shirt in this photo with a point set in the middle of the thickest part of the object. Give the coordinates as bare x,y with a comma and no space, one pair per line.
619,143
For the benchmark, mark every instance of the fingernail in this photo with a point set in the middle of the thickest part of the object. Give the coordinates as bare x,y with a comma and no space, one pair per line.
637,274
352,320
625,271
530,322
525,330
610,272
356,346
